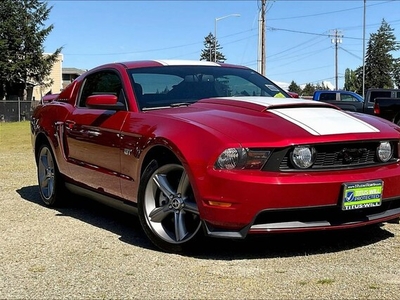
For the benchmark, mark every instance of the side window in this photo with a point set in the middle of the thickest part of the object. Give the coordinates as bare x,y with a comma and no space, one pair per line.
327,96
103,82
345,97
379,94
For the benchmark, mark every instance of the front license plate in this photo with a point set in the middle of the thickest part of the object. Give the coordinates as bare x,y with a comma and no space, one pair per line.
359,195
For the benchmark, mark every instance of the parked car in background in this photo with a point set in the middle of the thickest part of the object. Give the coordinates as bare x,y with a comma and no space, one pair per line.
346,100
386,103
293,94
200,147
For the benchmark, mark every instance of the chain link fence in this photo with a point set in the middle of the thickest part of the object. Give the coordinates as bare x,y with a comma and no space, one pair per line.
16,110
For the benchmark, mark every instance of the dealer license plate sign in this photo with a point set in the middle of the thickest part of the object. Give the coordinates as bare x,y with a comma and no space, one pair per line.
359,195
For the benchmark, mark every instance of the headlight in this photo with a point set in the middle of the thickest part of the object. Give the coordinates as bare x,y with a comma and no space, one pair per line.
230,158
241,158
303,157
384,151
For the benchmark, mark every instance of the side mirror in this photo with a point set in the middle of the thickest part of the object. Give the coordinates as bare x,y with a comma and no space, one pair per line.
107,102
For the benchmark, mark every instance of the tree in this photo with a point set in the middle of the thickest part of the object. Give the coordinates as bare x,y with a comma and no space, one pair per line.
22,34
308,90
210,46
321,86
351,82
294,87
396,73
379,62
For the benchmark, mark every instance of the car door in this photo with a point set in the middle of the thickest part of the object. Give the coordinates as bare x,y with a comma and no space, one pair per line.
93,135
351,103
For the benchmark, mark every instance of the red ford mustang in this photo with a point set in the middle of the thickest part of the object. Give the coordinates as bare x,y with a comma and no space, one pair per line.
195,147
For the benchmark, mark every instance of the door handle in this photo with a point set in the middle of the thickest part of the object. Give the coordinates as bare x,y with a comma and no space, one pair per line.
93,133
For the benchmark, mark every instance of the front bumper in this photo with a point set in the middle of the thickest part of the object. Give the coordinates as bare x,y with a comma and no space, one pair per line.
334,221
266,202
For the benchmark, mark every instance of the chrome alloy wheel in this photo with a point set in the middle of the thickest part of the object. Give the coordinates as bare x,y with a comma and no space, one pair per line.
46,175
169,206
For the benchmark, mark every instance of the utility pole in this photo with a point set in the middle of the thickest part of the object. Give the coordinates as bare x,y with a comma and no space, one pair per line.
336,39
363,77
209,43
261,39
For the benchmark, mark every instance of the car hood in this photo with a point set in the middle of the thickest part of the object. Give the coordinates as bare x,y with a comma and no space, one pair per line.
281,120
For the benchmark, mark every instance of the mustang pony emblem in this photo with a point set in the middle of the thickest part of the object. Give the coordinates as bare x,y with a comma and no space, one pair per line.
350,155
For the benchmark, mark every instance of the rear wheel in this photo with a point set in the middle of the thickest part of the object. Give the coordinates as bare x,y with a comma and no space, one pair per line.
167,208
51,185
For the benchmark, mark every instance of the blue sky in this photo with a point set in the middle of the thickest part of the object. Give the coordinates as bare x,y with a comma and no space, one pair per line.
298,35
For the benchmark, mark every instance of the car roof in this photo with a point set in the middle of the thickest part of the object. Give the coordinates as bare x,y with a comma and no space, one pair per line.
167,62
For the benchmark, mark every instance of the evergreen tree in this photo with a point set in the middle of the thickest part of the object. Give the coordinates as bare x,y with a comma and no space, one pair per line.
358,83
396,73
379,62
22,34
294,87
210,46
351,82
308,90
321,86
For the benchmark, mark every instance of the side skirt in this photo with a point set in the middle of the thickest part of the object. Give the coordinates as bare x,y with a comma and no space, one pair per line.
107,200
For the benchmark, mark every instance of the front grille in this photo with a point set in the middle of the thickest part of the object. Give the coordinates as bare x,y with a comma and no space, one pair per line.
332,156
344,156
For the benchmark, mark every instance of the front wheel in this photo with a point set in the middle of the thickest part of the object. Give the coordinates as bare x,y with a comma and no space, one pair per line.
167,208
51,185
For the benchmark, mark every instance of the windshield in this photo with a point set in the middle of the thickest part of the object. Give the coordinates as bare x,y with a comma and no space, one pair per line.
183,85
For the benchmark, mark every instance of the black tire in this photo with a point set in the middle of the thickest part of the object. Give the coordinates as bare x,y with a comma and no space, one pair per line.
167,208
51,185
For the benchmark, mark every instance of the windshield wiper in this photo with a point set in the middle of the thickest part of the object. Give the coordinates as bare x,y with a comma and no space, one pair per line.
179,104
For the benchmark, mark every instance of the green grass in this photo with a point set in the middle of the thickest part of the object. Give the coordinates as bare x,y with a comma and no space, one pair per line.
37,269
325,281
16,155
15,136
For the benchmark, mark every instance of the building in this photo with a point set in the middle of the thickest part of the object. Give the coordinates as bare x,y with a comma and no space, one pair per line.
69,75
59,77
39,91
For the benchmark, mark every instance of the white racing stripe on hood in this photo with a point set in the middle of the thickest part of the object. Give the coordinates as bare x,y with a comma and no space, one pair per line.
271,101
323,120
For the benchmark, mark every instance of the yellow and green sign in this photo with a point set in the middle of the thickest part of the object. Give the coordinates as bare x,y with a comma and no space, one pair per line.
362,195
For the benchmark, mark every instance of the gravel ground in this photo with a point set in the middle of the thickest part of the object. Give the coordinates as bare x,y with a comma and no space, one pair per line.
86,250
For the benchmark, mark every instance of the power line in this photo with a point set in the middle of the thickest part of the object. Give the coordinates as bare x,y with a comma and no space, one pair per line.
300,57
319,80
296,47
301,71
297,31
352,54
328,13
242,32
310,33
